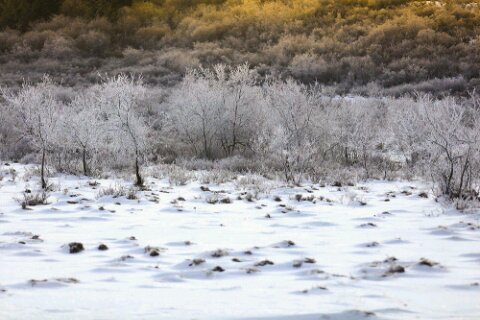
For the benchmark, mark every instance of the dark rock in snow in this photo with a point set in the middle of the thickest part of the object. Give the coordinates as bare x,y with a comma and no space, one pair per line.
372,244
152,251
263,263
68,280
219,253
368,225
34,282
290,243
309,260
428,263
218,269
226,200
395,269
197,262
75,247
252,270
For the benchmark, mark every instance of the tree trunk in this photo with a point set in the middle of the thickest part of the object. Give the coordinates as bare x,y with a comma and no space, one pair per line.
462,177
365,162
84,162
449,190
42,171
139,182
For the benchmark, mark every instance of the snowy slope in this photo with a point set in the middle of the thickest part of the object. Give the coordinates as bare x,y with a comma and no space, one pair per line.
336,253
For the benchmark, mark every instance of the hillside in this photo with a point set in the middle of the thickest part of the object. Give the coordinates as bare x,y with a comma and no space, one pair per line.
403,45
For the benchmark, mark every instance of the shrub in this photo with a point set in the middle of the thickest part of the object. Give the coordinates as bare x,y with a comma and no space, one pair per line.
30,199
216,176
254,183
116,191
179,177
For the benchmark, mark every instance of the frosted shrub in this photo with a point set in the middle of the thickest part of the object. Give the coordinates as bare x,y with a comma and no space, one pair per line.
30,199
452,144
253,183
179,177
352,198
216,176
470,205
195,164
212,198
116,191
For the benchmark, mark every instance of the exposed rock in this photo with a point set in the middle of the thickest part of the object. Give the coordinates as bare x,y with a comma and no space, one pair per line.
152,251
263,263
197,262
428,263
219,253
75,247
218,269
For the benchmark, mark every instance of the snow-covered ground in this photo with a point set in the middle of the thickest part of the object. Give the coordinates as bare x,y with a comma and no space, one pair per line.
295,253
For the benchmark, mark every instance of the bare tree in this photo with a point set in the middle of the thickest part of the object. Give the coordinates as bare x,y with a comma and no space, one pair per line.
121,98
293,110
84,125
242,113
453,136
196,107
38,111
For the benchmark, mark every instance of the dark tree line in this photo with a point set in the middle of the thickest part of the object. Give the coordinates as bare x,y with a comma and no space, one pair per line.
363,47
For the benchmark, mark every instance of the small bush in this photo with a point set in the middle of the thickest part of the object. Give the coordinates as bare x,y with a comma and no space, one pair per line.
253,183
217,176
116,192
467,205
30,199
132,194
179,177
226,200
212,199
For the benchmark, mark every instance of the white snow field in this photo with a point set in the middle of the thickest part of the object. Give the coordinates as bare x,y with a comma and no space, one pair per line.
377,250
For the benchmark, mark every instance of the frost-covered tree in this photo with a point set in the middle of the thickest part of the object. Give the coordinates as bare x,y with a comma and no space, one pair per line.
294,109
196,106
84,124
121,98
217,111
409,132
453,142
38,112
355,131
242,113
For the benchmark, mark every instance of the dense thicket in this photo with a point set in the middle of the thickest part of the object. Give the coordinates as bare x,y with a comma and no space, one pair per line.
227,118
360,46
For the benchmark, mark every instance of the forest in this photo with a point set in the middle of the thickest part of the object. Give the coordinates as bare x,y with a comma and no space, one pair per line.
226,118
392,47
